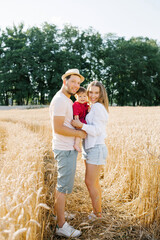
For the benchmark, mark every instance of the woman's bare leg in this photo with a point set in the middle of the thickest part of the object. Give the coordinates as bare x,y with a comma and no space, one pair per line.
94,188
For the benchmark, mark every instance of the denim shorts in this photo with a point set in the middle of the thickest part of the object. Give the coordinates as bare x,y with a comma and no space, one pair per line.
96,155
66,168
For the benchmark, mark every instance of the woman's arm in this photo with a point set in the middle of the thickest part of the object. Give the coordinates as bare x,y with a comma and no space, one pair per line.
97,122
93,130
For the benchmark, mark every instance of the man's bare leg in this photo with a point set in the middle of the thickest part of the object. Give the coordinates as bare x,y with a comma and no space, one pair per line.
60,199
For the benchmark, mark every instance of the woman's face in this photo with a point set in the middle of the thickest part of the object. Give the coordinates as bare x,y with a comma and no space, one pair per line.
93,94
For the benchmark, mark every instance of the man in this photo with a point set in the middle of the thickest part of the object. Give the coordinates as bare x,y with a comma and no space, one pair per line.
63,140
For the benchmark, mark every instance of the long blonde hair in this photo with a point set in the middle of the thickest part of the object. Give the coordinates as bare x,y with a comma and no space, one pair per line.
103,97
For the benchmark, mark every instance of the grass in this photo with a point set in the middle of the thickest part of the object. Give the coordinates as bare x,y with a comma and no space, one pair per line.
130,180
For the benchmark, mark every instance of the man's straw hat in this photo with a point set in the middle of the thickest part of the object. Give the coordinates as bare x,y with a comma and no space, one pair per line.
73,72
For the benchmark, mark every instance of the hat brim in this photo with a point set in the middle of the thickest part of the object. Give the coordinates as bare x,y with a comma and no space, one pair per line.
73,73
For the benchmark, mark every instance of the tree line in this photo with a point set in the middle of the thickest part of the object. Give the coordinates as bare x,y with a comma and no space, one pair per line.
32,62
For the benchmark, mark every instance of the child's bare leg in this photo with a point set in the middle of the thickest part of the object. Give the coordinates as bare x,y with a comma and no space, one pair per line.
77,144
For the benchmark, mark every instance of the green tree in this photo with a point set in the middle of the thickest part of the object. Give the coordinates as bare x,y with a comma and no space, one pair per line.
93,46
33,61
83,50
44,62
14,69
72,48
116,64
132,70
144,70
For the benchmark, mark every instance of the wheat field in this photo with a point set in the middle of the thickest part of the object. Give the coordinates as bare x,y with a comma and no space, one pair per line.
130,181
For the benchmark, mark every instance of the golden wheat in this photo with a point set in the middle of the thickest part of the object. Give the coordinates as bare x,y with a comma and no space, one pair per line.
21,181
133,169
130,180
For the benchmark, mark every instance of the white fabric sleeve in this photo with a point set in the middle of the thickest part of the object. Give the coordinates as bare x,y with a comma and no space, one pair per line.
99,119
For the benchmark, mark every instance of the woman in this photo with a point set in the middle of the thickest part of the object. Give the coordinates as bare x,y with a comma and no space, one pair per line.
94,148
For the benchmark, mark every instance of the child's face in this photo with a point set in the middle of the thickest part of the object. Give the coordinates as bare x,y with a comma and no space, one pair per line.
82,97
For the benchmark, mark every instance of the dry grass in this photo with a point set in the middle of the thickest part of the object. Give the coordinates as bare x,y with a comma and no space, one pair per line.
134,161
22,196
130,181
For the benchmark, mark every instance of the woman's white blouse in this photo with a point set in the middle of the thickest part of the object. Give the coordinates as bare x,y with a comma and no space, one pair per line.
95,128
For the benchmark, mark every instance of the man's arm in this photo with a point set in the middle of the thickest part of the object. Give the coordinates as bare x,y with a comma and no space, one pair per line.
66,131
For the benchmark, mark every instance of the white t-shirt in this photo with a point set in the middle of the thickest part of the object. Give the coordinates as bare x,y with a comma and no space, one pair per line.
61,105
96,120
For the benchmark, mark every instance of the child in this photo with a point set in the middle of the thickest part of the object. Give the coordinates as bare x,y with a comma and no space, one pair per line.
80,110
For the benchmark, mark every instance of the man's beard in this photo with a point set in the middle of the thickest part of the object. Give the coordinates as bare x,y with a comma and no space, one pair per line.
70,93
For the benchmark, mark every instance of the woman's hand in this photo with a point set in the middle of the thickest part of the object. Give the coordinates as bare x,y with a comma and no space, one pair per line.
77,123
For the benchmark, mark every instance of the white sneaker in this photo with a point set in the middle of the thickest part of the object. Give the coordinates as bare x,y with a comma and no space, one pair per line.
67,231
93,217
67,215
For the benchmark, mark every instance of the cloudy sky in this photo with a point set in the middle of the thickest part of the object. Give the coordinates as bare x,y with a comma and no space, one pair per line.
125,18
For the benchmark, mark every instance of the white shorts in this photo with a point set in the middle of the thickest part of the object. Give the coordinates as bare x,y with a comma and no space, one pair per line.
96,155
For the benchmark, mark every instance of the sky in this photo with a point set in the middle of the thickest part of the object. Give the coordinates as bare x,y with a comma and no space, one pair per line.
124,18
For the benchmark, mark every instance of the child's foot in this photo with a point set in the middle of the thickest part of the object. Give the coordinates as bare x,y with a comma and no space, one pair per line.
77,148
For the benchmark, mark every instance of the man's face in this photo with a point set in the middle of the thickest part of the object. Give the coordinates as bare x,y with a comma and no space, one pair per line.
72,84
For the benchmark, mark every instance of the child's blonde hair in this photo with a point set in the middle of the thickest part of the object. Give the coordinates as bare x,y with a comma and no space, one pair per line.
103,97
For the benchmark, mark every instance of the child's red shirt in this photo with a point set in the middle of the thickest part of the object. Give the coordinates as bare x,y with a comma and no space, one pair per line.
80,109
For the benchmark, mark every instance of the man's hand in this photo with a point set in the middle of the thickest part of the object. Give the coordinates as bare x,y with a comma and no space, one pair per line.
61,129
82,134
77,124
